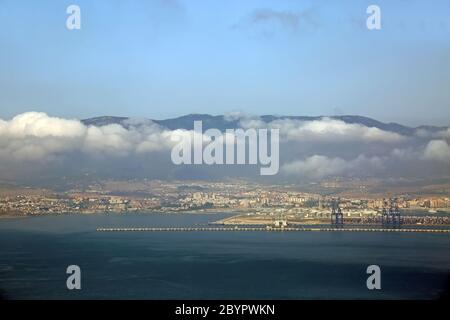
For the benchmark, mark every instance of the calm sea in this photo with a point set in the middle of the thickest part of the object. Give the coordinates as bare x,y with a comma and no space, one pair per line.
35,252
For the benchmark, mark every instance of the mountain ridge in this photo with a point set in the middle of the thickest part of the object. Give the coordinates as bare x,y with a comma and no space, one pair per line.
220,122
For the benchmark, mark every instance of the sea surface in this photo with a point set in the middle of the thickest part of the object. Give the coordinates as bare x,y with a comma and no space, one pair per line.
35,252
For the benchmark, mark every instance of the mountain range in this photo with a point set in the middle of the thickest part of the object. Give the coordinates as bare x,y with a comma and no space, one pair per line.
221,122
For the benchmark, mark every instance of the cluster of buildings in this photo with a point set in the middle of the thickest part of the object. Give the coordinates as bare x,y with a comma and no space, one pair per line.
220,196
429,203
35,205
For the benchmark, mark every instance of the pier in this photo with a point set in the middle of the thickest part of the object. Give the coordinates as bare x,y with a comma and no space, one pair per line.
266,229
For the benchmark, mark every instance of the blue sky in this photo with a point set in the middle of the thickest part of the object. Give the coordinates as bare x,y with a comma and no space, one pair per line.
160,59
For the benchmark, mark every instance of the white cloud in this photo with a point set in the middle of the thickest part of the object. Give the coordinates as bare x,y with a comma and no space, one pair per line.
443,134
234,115
315,167
326,130
318,166
38,124
437,150
37,136
424,133
246,121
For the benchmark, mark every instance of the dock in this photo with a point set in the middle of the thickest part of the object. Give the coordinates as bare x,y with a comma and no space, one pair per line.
267,229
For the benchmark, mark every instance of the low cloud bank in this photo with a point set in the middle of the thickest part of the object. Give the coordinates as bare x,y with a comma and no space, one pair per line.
37,136
312,149
324,129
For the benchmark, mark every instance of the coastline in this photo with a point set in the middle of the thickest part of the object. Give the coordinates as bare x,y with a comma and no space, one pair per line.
202,211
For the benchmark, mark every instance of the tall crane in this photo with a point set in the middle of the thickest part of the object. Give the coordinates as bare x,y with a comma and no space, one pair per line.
337,218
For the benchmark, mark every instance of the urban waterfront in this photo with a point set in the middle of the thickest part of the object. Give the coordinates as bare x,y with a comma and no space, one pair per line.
35,252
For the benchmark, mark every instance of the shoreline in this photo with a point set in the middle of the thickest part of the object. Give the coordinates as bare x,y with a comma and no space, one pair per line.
237,214
203,211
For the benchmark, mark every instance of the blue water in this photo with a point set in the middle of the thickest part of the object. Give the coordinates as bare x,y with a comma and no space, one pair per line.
35,252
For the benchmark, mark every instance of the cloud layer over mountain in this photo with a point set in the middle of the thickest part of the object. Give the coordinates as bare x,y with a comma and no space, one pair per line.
35,143
36,136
